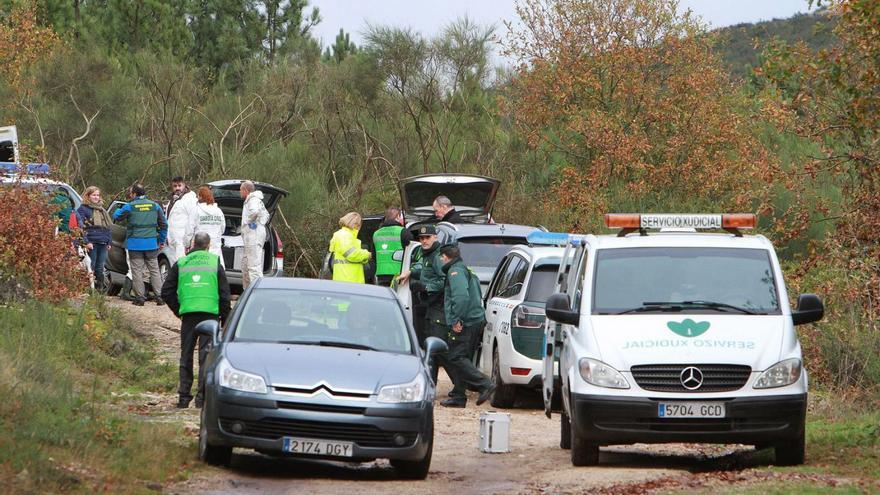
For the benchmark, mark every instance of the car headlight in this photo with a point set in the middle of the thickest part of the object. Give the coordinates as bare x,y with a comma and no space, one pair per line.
413,391
600,374
242,381
780,374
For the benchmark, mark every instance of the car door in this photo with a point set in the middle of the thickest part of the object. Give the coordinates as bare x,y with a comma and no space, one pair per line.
489,305
501,305
116,257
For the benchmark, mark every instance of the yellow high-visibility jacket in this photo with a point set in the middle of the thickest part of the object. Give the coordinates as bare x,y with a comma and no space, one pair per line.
348,256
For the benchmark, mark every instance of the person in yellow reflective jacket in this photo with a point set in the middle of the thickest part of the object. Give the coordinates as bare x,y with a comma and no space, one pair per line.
349,257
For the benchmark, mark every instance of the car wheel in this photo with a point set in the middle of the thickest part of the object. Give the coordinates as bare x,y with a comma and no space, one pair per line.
416,470
164,268
564,432
791,453
211,454
109,287
583,452
505,395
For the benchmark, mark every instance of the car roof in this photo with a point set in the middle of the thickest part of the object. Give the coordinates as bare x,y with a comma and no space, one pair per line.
536,253
465,230
681,239
313,284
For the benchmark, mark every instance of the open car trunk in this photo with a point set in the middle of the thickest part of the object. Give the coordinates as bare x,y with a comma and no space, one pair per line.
228,198
472,195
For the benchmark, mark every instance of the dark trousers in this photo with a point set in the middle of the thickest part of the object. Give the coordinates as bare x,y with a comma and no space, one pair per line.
438,329
464,374
420,322
188,338
384,280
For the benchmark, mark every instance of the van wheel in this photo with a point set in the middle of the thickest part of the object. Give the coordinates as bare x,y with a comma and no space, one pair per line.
109,287
505,395
415,470
564,432
583,452
791,453
212,454
164,268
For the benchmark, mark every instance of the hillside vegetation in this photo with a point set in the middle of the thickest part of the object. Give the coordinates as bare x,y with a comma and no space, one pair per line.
622,105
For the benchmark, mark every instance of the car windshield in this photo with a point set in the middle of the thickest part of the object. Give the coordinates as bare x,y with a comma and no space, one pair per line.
542,283
486,251
662,279
323,318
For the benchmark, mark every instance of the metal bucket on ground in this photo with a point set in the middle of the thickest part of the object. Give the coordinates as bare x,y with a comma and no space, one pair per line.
494,432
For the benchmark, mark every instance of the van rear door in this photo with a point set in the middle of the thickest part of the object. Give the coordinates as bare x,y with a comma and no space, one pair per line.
472,195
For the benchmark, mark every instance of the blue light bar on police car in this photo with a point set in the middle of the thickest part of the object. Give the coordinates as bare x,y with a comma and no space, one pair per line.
541,238
30,168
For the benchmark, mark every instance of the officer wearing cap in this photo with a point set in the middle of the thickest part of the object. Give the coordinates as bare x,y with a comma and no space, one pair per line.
429,280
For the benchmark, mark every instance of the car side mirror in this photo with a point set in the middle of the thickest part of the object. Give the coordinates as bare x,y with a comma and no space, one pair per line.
433,345
559,310
209,328
397,255
809,309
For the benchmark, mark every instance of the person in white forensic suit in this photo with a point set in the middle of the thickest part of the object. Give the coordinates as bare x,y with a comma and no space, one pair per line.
181,211
254,218
209,218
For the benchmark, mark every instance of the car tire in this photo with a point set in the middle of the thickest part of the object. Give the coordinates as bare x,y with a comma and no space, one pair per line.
583,452
792,452
164,268
505,395
110,288
416,470
211,454
564,432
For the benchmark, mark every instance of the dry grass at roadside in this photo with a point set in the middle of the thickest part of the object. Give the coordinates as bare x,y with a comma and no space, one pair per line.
58,367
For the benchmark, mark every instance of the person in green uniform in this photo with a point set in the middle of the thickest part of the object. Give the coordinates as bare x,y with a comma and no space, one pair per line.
196,290
387,240
465,317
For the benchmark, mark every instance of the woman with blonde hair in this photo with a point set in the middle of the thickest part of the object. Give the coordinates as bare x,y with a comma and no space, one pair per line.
96,223
208,217
349,257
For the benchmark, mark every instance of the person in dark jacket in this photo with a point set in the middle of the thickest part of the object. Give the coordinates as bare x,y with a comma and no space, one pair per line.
465,317
196,290
145,236
444,211
96,222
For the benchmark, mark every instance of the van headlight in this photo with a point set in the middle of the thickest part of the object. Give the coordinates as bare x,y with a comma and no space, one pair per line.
413,391
780,374
242,381
600,374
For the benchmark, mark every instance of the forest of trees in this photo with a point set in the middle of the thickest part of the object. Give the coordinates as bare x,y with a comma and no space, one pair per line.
617,105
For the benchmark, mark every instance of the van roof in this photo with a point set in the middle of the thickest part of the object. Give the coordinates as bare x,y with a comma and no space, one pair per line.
681,239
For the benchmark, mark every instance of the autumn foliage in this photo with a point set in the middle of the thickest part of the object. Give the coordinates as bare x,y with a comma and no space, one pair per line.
634,96
33,260
23,41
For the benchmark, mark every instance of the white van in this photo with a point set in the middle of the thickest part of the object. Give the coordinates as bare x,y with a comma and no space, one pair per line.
676,336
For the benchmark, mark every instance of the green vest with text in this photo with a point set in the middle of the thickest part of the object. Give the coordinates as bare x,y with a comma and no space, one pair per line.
143,221
387,242
197,285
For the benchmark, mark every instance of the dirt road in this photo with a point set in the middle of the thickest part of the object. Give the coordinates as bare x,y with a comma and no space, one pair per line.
535,464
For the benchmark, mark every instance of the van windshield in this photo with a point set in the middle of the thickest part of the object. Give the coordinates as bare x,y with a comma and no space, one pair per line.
670,279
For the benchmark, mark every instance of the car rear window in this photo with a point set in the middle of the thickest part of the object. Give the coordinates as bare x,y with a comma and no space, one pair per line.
542,283
302,316
486,251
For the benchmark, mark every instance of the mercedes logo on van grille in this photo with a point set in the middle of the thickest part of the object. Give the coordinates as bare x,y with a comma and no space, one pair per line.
691,378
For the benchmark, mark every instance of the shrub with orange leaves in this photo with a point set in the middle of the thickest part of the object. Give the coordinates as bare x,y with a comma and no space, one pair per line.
33,260
631,92
23,41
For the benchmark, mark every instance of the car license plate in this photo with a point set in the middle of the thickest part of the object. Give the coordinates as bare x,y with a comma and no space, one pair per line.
313,446
691,410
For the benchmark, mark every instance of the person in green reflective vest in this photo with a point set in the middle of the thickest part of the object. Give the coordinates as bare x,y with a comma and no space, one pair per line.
349,257
196,290
387,240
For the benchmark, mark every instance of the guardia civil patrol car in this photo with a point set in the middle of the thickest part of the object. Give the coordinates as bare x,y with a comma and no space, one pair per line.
676,336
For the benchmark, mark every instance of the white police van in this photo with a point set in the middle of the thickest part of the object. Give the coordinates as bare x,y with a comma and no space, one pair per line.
676,336
512,340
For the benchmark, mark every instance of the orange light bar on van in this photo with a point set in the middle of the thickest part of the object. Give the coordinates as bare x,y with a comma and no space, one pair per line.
739,221
623,220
